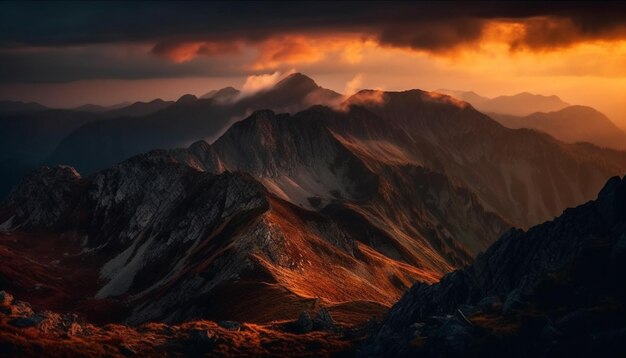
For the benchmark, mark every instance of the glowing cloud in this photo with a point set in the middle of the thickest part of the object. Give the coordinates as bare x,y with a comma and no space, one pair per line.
179,52
257,83
353,85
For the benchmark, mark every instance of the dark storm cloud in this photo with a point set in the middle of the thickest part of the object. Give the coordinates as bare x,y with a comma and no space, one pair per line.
431,26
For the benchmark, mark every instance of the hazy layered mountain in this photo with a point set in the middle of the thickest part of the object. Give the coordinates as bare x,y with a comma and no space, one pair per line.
105,143
20,107
555,290
29,135
27,138
571,124
525,176
226,94
95,108
137,109
521,104
540,175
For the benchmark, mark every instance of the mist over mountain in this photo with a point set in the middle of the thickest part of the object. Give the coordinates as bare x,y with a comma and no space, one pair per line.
19,107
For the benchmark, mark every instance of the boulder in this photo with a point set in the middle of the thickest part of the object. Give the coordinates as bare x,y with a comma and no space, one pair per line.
323,320
230,325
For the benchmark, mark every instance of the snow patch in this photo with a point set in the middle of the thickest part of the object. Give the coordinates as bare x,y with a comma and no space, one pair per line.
121,271
6,226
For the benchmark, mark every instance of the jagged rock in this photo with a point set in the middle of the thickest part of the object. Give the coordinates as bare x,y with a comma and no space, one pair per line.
43,197
304,323
559,265
323,320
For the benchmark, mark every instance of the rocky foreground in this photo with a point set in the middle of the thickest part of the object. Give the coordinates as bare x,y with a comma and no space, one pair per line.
557,290
24,332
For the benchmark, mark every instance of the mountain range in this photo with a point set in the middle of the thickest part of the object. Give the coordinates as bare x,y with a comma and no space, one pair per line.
521,104
297,209
549,114
571,124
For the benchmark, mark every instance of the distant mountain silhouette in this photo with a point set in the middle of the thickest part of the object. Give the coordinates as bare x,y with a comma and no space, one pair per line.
225,94
105,143
521,104
18,106
27,138
571,124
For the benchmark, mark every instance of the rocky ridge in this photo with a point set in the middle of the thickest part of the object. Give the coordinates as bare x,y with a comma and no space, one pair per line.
557,289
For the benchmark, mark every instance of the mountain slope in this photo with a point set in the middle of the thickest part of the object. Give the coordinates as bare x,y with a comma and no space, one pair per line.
571,124
525,176
557,289
184,233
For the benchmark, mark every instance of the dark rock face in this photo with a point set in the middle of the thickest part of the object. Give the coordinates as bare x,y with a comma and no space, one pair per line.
43,198
303,324
323,320
23,322
559,286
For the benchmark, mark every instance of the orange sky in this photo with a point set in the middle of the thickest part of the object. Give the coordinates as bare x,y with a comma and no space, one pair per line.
586,71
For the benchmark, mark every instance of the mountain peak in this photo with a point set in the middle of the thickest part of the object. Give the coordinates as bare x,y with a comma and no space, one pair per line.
297,79
188,98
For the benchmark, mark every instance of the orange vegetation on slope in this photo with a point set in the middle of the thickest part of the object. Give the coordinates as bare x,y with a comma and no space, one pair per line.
57,335
333,275
49,271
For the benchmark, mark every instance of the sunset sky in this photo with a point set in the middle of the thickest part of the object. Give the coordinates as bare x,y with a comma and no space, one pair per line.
68,54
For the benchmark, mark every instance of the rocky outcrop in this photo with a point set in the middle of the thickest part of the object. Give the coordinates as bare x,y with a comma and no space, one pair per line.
28,333
43,198
564,268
